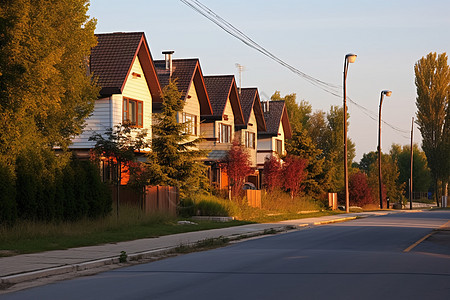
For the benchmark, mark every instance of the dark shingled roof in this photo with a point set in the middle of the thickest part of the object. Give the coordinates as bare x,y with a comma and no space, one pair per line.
250,100
111,61
277,114
185,71
220,88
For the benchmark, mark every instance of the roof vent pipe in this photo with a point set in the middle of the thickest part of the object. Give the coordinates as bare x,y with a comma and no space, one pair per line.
168,59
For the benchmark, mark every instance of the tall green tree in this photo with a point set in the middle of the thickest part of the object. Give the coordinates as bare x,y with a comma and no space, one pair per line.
174,150
421,172
45,91
432,78
316,181
367,160
333,148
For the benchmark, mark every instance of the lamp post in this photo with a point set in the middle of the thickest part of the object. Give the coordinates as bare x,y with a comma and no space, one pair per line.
383,93
349,58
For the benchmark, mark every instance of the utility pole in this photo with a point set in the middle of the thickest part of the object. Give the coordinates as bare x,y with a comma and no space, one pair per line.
240,69
411,168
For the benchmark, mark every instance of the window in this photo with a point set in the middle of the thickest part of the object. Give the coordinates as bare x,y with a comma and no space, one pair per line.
191,123
279,147
250,140
133,112
224,133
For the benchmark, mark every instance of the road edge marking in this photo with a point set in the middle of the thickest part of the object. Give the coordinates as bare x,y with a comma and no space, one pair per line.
418,242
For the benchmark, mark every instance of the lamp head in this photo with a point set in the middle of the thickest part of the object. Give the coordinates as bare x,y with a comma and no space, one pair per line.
387,93
350,57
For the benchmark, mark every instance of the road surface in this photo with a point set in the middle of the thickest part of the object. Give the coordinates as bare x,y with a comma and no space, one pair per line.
373,258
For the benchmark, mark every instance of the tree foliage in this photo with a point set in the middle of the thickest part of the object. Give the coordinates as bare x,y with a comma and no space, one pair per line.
238,166
432,78
315,182
421,172
272,178
392,187
174,151
45,92
360,193
293,174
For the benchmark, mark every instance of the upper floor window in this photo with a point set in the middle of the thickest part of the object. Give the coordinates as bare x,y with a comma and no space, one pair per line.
191,123
250,140
224,133
133,112
279,147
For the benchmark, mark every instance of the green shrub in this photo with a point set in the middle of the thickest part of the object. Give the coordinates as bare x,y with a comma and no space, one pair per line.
8,207
206,205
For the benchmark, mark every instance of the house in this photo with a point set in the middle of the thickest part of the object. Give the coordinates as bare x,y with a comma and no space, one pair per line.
253,123
190,82
272,141
123,67
219,128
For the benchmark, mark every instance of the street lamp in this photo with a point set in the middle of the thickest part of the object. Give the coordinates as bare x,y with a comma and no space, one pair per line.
383,93
349,58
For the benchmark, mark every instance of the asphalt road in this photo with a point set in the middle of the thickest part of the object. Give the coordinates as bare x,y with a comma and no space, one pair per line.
360,259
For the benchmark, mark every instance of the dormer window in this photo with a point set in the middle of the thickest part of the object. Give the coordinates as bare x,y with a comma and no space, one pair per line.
133,112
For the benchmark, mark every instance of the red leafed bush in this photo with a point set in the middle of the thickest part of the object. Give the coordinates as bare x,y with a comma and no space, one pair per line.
273,178
293,174
238,166
360,193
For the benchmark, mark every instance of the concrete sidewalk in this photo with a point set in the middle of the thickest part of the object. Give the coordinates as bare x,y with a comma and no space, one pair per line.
28,267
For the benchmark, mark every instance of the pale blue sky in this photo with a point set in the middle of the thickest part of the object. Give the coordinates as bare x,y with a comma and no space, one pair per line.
313,36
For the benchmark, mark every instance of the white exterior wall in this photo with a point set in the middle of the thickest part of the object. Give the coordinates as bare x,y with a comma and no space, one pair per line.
192,106
242,133
211,131
108,111
269,144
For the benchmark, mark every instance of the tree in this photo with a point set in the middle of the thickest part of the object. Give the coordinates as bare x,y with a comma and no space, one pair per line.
367,160
118,149
360,192
45,92
173,150
272,173
315,182
238,166
293,174
392,188
432,79
333,148
421,172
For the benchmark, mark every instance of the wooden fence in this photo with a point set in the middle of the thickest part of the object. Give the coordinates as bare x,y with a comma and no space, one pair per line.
253,198
163,199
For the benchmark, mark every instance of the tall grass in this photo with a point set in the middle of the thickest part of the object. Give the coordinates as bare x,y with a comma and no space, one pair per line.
29,237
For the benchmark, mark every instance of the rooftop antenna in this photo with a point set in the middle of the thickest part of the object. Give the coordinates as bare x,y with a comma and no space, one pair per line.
240,69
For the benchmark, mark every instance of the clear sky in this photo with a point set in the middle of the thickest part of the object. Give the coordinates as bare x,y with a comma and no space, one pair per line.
313,36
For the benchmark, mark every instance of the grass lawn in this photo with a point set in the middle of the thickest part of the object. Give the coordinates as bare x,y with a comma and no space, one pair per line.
32,237
132,224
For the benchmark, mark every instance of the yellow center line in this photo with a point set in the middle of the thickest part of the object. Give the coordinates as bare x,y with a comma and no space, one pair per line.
424,238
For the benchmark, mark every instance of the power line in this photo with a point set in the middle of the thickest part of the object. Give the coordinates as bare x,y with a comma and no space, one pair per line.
238,34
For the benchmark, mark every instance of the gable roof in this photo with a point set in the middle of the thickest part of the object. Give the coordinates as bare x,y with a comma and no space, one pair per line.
277,115
250,100
113,56
220,88
186,72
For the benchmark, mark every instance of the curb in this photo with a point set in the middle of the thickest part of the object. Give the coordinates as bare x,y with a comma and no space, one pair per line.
334,221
